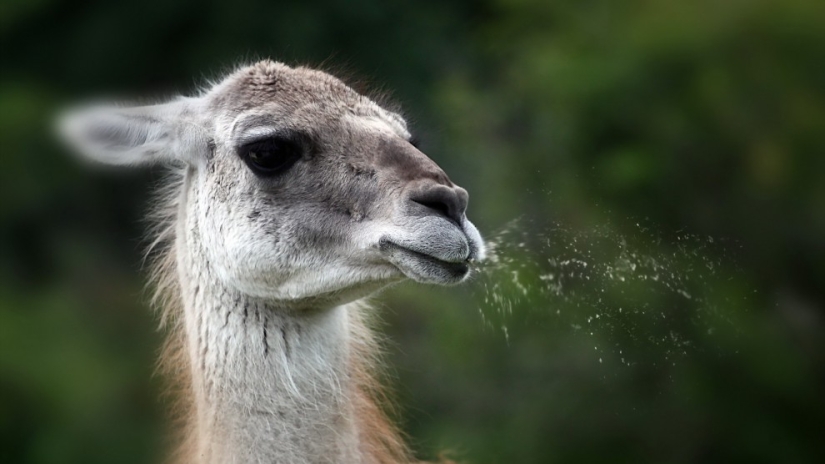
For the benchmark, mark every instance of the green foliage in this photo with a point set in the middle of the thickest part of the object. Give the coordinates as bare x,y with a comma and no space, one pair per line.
675,144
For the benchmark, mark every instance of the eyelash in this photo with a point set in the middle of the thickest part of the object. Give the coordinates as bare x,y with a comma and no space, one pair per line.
271,156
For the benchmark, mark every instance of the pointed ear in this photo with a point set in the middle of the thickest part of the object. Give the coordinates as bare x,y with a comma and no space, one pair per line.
136,135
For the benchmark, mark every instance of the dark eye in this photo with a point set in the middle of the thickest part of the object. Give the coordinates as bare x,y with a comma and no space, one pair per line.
415,142
270,156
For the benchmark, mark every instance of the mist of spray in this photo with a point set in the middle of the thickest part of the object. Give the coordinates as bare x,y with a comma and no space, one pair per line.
632,293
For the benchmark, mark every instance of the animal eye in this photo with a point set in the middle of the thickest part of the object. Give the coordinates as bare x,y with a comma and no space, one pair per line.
415,142
271,156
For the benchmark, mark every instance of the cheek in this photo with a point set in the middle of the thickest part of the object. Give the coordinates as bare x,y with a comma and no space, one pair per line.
239,248
263,252
254,250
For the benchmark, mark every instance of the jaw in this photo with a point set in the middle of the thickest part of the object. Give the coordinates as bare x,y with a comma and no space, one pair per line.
340,296
428,250
320,286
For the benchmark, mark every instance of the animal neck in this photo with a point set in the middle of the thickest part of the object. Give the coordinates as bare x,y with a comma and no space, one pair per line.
269,385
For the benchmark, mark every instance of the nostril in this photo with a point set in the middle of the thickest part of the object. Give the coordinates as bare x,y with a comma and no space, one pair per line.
440,207
441,201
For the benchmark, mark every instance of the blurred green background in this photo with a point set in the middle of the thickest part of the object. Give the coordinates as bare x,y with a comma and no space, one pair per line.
683,137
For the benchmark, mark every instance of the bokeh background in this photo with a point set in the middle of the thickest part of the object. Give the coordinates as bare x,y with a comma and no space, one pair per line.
673,140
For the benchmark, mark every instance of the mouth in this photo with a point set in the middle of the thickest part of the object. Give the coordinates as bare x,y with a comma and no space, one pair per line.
423,267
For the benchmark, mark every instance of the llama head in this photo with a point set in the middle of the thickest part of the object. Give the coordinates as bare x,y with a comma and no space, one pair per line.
296,187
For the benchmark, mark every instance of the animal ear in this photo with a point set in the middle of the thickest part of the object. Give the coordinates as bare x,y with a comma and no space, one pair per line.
135,135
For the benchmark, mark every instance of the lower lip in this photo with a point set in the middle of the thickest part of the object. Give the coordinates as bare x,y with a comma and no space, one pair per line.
454,268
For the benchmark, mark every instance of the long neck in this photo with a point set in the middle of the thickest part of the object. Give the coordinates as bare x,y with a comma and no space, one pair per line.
269,385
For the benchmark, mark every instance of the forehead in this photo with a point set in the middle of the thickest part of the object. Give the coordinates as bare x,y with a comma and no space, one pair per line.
269,94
